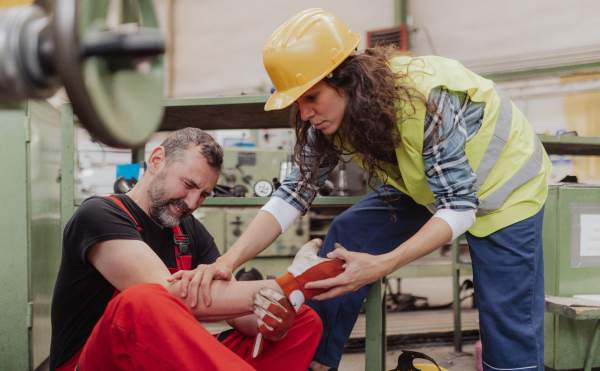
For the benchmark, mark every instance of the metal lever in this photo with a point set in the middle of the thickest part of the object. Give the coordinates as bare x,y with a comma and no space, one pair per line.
143,43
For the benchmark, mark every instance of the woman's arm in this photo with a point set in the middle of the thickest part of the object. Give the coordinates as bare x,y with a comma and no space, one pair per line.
261,232
447,169
362,269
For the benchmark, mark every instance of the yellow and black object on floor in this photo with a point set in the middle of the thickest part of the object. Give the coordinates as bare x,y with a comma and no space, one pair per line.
405,362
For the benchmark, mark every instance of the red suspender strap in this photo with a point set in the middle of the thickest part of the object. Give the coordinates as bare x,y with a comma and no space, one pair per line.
118,202
182,243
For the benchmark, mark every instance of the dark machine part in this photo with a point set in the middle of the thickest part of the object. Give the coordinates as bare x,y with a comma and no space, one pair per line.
238,190
39,54
123,185
26,54
569,179
252,275
326,189
230,178
276,183
246,159
405,361
299,230
237,231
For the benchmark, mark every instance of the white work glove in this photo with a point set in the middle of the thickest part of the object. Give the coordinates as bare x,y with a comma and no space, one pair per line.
308,267
275,317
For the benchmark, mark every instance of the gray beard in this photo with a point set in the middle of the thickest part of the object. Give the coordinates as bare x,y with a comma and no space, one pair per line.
159,204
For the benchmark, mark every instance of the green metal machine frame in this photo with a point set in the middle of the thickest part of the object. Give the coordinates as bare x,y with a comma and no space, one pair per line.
30,248
567,273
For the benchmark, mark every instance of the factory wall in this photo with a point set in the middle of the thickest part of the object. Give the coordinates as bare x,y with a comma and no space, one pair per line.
216,47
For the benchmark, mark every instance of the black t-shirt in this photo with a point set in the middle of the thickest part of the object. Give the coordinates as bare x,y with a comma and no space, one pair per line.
81,293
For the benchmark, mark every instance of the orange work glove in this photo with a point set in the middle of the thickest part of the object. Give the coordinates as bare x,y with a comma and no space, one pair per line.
275,317
308,267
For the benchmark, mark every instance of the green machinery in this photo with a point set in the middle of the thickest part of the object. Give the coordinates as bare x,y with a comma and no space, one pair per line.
117,95
226,224
572,267
30,247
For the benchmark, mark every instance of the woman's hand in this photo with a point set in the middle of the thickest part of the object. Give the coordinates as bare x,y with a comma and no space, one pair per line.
199,280
361,269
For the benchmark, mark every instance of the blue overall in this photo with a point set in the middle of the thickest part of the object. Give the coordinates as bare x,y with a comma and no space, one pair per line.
508,273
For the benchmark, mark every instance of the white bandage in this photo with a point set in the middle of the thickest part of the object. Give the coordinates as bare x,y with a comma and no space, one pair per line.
459,221
285,213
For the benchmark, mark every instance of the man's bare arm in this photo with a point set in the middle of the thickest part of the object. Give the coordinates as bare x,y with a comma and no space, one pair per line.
125,263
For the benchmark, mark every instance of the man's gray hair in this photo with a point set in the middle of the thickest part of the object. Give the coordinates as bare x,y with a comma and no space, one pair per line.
179,141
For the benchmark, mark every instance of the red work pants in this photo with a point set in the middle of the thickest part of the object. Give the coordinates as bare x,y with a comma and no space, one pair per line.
146,328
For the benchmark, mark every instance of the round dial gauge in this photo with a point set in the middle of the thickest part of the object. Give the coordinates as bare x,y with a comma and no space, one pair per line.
263,188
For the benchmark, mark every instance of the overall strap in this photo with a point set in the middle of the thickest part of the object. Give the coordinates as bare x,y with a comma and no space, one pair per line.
118,202
182,253
182,242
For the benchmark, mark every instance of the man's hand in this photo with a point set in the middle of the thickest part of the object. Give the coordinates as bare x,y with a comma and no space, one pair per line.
308,267
201,278
275,317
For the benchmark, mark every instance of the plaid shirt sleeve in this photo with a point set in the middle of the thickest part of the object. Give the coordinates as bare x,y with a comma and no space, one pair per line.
447,169
291,186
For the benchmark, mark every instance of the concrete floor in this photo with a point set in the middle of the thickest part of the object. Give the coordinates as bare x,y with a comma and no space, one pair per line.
444,355
439,291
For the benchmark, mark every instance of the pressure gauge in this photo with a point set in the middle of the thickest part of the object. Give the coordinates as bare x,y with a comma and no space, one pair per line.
263,188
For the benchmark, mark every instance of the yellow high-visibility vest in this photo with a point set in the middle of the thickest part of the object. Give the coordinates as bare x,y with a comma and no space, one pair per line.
509,160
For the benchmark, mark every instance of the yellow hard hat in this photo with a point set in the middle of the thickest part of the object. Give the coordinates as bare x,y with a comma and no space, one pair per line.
303,51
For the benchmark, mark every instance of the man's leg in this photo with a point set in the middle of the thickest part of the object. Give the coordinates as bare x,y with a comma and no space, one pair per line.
508,274
147,328
293,353
366,227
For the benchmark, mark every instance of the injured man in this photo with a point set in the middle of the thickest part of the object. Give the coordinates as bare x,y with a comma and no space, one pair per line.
115,309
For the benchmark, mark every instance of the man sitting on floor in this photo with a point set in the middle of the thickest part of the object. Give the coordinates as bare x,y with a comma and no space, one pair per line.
123,248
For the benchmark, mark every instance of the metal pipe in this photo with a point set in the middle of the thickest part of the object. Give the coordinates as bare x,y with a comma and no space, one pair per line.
400,11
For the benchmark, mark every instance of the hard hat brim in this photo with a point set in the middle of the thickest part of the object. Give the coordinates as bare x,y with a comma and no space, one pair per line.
279,101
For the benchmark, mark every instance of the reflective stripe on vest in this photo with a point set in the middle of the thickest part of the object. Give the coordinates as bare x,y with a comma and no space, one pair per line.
491,156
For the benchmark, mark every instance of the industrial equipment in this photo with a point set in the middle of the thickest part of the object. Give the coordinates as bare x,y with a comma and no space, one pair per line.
30,248
109,62
254,168
571,267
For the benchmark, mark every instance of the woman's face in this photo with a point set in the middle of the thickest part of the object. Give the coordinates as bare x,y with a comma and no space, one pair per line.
323,107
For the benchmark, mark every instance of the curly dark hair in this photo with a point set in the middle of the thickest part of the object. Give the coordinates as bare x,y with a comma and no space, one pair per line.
377,102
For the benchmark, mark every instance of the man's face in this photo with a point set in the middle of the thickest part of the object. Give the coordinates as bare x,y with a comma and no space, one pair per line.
178,189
